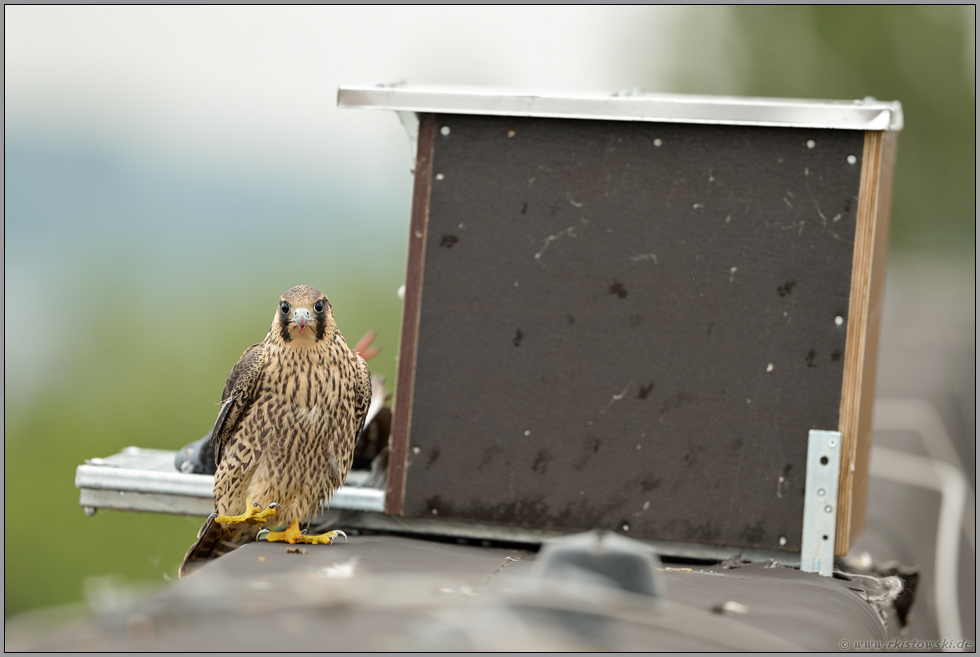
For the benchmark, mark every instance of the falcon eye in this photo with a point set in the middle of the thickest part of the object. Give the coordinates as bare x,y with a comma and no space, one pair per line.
284,308
318,306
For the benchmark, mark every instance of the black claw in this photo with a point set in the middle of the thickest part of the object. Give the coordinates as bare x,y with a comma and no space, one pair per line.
255,503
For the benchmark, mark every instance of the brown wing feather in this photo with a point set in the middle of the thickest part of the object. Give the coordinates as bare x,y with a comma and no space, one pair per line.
363,400
237,396
214,539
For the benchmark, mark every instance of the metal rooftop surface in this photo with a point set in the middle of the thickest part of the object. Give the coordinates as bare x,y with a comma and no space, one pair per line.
631,105
391,593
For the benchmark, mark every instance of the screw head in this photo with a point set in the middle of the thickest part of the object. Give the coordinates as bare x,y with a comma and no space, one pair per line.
828,508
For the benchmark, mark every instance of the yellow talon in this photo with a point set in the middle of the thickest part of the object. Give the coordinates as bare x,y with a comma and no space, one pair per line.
324,539
293,535
255,515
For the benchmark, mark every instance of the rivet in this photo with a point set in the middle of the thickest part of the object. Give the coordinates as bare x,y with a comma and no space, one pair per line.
658,142
832,443
782,540
626,528
821,492
810,143
851,159
838,320
445,131
439,176
416,450
828,509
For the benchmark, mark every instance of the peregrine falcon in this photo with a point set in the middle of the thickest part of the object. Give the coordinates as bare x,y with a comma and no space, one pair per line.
291,411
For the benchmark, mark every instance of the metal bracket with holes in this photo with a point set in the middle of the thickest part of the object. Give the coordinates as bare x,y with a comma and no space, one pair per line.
820,502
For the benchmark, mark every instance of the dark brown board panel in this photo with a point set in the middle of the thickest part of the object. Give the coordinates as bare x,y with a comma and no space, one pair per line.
602,302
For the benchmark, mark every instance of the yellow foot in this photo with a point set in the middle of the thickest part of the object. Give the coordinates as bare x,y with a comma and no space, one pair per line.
255,515
293,535
324,539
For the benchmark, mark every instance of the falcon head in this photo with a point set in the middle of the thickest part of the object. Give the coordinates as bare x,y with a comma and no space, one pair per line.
304,316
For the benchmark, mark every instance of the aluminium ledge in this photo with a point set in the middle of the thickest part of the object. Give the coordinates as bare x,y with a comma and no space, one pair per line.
867,114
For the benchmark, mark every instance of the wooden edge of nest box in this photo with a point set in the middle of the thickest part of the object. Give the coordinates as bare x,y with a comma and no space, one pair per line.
404,386
863,324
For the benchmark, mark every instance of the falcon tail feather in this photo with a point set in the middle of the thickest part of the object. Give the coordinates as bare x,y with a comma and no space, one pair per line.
215,540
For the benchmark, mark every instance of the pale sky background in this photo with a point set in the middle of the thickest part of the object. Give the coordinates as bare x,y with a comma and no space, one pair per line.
252,90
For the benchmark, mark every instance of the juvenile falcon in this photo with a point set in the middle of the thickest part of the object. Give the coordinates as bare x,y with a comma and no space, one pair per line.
291,411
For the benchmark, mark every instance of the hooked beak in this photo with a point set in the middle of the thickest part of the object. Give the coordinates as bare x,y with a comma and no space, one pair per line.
301,318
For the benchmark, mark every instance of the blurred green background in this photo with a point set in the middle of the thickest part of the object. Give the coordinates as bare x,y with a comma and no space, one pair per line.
147,237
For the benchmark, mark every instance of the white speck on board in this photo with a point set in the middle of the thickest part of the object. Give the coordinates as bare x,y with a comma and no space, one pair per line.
615,398
644,257
728,219
770,367
731,278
